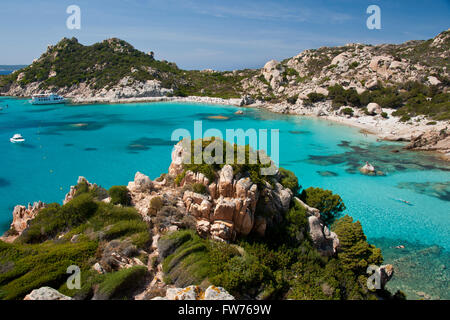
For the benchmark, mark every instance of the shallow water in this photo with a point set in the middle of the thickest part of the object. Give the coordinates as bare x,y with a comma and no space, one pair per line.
108,143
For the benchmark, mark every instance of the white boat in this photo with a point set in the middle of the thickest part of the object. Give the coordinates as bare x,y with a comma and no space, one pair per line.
17,138
50,98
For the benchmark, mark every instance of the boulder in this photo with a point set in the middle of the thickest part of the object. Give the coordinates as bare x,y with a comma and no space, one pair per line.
325,241
247,100
374,108
46,293
141,183
196,293
217,293
368,169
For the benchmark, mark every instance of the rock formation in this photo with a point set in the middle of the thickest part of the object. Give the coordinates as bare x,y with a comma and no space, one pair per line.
431,141
46,293
22,215
196,293
230,206
325,241
73,190
368,169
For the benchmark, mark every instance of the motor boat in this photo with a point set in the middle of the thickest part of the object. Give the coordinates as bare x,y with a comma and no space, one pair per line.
47,99
17,138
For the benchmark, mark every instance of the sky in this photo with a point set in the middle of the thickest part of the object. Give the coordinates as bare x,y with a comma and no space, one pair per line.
216,34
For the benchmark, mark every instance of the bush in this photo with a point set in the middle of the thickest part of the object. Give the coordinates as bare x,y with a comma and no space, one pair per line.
330,205
289,180
384,115
156,203
54,219
35,266
314,97
120,284
347,111
119,195
199,188
293,99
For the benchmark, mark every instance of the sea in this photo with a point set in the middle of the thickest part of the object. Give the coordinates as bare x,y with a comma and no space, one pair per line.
405,212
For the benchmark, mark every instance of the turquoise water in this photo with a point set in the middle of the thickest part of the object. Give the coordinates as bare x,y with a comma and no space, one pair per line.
115,141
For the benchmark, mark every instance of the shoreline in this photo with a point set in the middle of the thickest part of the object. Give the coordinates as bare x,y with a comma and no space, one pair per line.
388,129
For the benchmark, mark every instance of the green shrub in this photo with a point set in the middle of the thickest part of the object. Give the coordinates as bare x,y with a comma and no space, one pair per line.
199,188
125,228
347,111
384,115
156,203
54,219
330,205
289,180
119,195
120,284
35,266
316,97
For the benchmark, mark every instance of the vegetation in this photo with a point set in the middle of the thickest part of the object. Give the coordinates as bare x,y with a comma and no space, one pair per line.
119,195
347,111
355,253
330,205
199,188
244,166
269,267
117,285
409,99
105,64
289,180
41,255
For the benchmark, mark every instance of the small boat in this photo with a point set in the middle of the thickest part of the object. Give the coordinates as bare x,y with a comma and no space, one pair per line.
47,99
17,138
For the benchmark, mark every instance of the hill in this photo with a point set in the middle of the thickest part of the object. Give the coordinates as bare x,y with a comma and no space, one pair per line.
412,78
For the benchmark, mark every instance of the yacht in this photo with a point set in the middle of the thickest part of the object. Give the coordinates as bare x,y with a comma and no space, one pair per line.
17,138
47,99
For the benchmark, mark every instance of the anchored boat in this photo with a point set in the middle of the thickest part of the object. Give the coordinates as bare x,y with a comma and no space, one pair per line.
47,99
17,138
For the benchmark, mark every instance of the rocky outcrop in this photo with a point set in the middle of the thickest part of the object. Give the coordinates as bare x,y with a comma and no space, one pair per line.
46,293
324,240
102,193
386,273
431,141
141,183
368,169
22,215
196,293
230,206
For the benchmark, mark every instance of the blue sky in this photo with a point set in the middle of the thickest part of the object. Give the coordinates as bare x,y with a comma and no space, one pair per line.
218,34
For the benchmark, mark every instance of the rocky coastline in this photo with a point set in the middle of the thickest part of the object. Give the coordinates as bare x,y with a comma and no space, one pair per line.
218,209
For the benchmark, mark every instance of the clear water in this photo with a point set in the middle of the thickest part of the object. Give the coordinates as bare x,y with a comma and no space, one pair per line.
115,141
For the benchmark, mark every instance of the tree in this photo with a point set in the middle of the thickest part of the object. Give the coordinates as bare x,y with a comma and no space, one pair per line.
330,205
289,180
355,253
